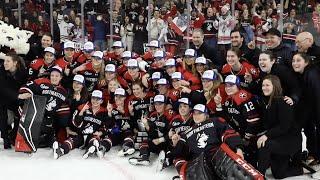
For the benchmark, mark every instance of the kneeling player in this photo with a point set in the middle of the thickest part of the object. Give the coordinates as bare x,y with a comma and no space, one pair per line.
89,120
123,130
204,137
157,126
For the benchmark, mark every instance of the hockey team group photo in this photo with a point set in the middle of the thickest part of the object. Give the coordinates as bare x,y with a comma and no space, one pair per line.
160,89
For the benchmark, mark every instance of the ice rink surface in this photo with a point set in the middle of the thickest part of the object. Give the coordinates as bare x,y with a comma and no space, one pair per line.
42,166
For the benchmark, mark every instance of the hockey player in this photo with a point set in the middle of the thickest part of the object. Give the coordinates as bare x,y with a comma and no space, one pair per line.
139,103
157,127
243,112
57,110
123,130
39,67
89,120
246,72
92,71
179,124
204,138
133,74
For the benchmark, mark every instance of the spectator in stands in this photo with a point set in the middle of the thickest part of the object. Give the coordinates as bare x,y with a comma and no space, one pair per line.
291,27
282,53
99,32
210,31
155,25
140,31
305,44
126,32
203,49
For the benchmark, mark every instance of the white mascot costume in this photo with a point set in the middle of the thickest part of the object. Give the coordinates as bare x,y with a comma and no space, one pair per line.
14,38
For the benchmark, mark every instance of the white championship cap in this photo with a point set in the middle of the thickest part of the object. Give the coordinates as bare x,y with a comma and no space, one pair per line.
68,44
210,75
200,60
162,81
200,107
117,44
110,68
50,49
133,63
190,52
159,98
98,54
97,94
79,78
176,75
154,43
120,91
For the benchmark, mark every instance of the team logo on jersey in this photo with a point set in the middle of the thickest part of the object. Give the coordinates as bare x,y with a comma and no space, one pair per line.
202,139
88,129
44,86
243,95
52,103
253,71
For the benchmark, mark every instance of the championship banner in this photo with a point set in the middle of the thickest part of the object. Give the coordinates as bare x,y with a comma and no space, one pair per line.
228,165
27,139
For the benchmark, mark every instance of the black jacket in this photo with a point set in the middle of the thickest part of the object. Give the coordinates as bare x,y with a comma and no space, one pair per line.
10,84
308,109
210,53
314,53
252,55
279,122
283,55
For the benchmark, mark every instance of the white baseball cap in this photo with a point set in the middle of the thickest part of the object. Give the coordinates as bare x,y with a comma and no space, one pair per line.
79,78
56,68
210,75
159,54
110,68
132,63
127,54
117,44
98,54
156,75
154,43
97,94
190,52
162,81
184,101
159,98
200,60
88,46
200,107
68,44
176,75
171,62
120,91
50,49
232,79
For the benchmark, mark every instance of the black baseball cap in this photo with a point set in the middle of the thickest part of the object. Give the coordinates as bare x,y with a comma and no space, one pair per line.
273,31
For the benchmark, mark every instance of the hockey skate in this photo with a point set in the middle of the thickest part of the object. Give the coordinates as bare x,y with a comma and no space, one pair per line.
140,160
126,151
100,149
57,150
90,151
162,161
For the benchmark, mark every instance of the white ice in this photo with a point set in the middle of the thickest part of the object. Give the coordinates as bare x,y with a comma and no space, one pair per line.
42,166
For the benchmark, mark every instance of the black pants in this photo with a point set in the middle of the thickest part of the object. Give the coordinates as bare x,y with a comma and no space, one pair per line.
3,122
149,146
273,154
312,133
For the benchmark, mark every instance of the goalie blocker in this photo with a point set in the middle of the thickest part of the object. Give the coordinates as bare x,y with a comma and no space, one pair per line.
225,165
27,138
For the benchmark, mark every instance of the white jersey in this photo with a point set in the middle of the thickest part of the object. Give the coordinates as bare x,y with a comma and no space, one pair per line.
226,24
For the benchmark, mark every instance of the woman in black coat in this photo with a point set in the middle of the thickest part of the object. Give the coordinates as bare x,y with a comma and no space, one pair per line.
282,139
13,75
308,109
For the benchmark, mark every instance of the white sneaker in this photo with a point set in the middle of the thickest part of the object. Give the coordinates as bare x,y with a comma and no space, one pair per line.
161,161
57,151
126,151
100,149
139,161
89,152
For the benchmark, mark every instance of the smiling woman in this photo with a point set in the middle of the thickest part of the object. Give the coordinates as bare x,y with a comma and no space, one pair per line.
12,75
